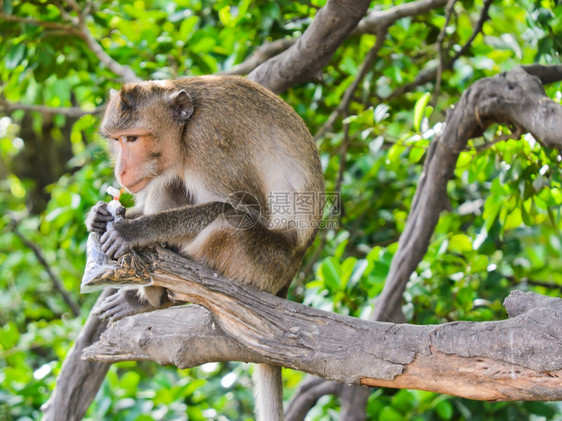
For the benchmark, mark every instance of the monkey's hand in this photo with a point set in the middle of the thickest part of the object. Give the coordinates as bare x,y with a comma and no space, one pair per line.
118,239
123,303
99,216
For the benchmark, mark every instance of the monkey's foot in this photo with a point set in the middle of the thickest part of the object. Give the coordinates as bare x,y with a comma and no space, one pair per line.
123,303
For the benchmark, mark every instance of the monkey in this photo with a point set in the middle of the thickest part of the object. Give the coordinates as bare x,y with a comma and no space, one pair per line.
223,171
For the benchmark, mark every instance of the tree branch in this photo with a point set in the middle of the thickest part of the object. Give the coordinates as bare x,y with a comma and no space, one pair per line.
77,112
80,29
310,390
348,95
431,74
66,28
313,50
376,20
523,353
57,283
546,74
261,54
441,51
514,97
125,72
79,380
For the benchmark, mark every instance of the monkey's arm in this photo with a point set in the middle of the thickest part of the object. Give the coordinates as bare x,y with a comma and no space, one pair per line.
178,224
133,213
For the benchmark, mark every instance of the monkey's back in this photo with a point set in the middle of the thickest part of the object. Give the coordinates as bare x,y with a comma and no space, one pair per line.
261,146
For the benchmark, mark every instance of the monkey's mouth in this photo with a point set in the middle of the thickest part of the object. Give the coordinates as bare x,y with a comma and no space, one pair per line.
138,186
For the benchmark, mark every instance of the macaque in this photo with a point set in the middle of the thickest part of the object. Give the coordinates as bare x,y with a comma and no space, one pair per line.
224,172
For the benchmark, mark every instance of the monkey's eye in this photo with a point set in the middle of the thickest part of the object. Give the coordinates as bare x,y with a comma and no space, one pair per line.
131,138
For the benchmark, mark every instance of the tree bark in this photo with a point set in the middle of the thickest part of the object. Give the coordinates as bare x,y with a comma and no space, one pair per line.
313,50
79,380
517,98
515,359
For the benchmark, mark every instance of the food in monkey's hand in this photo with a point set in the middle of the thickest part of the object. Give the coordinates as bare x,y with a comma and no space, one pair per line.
101,271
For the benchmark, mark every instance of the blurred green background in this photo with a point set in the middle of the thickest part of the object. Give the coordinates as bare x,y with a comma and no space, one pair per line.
502,232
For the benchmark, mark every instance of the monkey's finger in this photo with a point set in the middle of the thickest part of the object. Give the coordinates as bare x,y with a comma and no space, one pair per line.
102,218
99,224
101,207
113,308
108,243
101,309
111,250
96,228
121,250
120,210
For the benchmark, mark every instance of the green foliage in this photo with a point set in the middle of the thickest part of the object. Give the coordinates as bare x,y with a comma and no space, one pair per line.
502,232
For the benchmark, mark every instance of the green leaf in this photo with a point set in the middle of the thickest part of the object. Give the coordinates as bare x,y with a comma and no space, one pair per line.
9,336
460,243
15,55
419,109
187,26
444,409
390,414
330,274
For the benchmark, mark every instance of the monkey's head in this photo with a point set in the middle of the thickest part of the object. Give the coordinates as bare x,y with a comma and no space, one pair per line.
143,123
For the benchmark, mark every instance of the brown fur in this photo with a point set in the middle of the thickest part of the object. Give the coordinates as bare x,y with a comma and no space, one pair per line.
205,157
240,138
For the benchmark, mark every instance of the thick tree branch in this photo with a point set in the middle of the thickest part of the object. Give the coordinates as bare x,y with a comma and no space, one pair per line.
524,353
376,20
310,390
547,74
514,97
263,52
313,50
79,380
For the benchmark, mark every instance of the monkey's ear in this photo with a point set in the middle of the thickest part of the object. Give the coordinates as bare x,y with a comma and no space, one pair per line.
112,93
181,105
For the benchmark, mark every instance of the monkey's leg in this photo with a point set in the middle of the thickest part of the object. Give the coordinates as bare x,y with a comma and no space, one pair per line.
127,302
268,261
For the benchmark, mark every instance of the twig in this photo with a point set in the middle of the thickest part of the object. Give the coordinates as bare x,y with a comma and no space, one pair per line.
77,112
441,52
429,75
515,135
44,24
57,283
348,95
479,25
80,29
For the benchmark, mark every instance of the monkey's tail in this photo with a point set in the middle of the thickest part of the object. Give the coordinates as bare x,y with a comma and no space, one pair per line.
268,393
